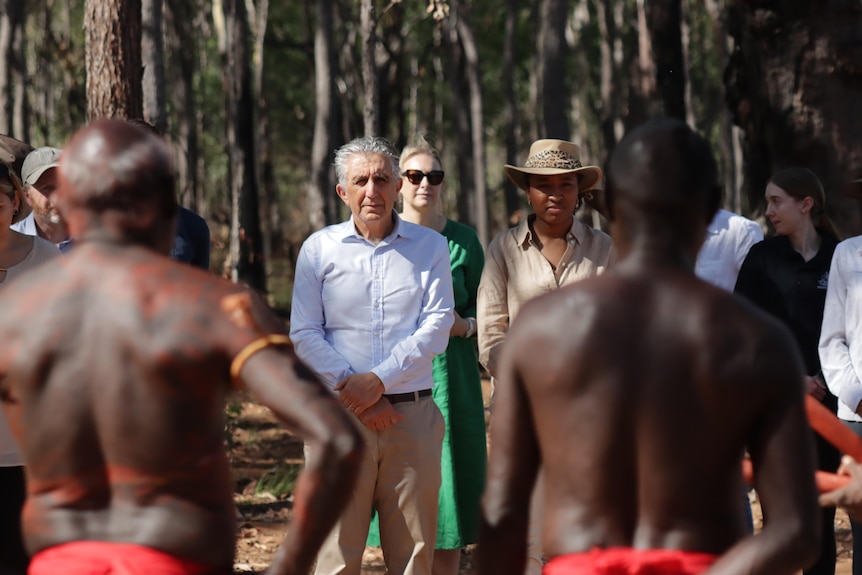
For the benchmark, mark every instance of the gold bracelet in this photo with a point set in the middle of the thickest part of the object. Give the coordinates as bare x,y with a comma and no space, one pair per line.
253,348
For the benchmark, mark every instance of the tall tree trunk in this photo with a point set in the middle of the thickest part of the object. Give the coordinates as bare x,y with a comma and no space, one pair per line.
112,29
182,44
534,82
608,87
642,93
732,186
663,22
320,184
793,87
11,31
246,242
153,58
685,40
510,111
477,122
461,117
370,108
265,172
552,58
21,107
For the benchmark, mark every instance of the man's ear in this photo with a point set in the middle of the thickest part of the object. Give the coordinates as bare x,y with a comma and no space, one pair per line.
342,193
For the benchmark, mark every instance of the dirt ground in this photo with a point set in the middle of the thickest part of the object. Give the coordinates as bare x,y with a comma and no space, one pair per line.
264,455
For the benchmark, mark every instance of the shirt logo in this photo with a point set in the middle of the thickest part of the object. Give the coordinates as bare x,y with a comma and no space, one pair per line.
823,282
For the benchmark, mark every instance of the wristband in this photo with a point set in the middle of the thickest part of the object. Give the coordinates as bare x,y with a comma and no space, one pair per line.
471,330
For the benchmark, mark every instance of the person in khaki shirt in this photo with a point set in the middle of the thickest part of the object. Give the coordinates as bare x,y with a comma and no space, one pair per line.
547,250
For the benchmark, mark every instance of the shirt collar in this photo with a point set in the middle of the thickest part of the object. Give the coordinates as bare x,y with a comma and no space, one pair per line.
524,236
346,231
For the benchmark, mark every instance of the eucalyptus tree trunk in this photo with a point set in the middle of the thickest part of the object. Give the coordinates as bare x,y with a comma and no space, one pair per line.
181,40
112,29
460,93
732,184
264,173
609,87
321,187
793,87
534,82
370,108
246,242
11,65
477,124
552,61
663,19
153,58
643,103
510,110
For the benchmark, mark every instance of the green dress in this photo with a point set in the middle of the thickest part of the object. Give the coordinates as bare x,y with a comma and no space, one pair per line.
458,394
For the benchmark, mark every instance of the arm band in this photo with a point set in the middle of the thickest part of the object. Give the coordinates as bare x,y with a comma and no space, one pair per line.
254,347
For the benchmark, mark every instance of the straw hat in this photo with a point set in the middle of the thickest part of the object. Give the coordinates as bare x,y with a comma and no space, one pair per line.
13,152
552,157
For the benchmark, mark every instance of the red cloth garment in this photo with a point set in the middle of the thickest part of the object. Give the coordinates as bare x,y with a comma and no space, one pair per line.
626,561
103,558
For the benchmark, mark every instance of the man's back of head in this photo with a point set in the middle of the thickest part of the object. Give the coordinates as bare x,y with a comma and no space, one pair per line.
663,171
117,183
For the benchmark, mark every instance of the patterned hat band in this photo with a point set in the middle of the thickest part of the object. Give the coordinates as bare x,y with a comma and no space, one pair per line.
553,159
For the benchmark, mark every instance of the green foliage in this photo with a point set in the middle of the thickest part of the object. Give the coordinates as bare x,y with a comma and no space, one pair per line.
231,420
279,480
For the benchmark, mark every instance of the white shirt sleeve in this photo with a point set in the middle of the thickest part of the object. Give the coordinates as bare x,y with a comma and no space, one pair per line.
836,360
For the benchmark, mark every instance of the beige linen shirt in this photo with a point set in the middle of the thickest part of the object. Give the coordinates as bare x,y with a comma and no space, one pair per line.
516,271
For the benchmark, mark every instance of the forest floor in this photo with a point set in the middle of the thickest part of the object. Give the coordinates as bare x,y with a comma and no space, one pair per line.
265,459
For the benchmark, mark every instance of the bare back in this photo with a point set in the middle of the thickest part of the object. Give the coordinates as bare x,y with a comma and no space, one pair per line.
638,393
121,366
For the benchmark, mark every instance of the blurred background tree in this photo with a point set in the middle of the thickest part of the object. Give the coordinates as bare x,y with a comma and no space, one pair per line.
255,97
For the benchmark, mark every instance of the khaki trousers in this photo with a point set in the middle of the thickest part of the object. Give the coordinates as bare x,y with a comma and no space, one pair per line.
400,478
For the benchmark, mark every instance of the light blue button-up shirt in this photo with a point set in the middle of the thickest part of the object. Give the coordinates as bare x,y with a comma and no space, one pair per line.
385,308
27,226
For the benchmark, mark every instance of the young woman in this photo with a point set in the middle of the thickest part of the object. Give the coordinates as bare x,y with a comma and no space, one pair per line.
787,276
457,384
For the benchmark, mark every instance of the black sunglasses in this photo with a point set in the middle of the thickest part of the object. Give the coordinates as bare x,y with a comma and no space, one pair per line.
435,177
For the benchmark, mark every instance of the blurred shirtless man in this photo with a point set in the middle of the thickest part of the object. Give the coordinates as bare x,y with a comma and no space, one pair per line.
114,370
638,391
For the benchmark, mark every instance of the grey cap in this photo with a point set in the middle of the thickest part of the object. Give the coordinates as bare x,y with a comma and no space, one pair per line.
38,162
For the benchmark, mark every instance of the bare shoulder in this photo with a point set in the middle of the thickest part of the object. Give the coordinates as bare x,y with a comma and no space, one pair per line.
565,322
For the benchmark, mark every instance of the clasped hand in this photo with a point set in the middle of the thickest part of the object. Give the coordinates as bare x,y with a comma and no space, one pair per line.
359,391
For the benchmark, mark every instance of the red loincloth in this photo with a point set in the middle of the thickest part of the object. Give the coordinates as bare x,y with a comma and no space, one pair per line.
625,561
102,558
